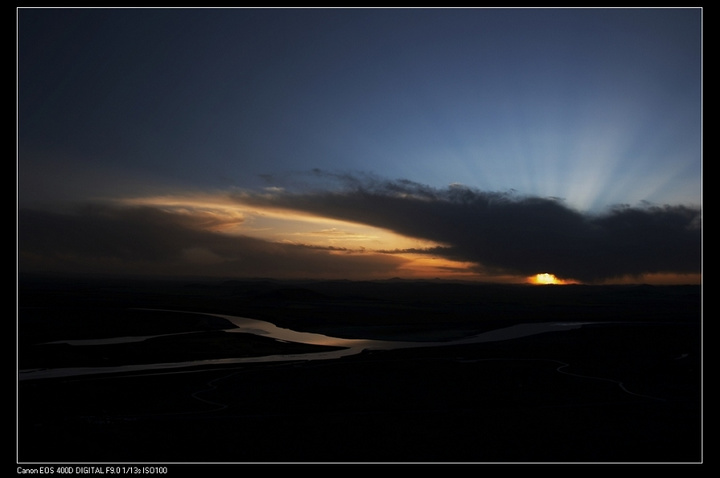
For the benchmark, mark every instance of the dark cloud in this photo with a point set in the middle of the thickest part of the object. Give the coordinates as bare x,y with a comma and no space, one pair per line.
502,233
509,232
148,240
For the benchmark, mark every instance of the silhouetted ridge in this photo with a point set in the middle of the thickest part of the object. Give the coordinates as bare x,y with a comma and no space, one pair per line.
292,294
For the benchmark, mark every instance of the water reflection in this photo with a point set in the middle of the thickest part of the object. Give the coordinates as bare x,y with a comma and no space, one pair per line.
267,329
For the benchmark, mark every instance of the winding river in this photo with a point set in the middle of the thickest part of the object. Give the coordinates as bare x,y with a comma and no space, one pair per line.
267,329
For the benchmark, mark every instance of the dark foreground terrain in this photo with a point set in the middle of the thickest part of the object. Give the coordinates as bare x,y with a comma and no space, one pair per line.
625,389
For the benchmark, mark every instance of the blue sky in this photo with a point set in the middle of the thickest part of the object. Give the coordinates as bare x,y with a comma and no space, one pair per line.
587,108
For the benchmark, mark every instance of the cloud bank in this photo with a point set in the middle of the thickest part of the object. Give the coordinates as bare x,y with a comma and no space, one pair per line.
505,233
143,240
521,234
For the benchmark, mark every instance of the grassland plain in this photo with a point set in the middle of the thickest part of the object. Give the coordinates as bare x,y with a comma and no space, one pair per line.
626,388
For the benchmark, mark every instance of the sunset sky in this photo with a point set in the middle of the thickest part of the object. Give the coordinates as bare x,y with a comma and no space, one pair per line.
460,143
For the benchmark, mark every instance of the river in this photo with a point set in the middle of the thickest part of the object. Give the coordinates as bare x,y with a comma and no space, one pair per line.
267,329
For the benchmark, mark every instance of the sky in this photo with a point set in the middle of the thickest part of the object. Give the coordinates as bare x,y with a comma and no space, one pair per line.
489,144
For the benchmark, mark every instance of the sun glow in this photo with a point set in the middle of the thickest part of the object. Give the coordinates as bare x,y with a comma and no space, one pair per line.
218,213
545,278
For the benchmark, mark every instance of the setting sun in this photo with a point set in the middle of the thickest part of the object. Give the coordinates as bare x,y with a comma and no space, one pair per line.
546,278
